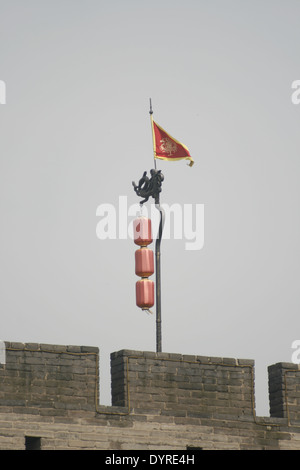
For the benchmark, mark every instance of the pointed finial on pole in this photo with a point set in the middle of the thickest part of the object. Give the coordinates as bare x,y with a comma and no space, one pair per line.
150,112
151,120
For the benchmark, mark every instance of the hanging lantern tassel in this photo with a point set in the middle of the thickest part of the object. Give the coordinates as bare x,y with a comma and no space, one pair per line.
144,263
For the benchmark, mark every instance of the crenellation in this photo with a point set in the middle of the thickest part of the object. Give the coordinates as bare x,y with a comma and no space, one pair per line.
159,401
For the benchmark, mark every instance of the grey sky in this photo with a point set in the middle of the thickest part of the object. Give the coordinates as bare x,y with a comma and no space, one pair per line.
75,132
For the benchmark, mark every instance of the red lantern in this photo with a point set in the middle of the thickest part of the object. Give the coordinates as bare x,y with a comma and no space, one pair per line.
145,293
142,231
144,262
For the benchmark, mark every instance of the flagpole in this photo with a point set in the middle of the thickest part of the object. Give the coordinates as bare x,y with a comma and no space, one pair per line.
151,121
152,187
157,253
158,277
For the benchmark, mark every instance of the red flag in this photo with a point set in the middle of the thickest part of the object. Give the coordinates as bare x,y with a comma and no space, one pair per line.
168,148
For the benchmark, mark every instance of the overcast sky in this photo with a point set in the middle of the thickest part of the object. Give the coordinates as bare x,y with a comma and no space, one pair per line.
75,132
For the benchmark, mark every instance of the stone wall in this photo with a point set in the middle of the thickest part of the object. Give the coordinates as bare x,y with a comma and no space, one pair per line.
186,386
49,399
38,378
284,391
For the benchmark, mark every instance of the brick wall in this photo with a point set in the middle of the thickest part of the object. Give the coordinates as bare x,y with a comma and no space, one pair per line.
49,396
48,379
284,391
183,385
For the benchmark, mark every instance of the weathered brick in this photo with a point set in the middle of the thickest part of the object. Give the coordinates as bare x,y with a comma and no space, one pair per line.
176,401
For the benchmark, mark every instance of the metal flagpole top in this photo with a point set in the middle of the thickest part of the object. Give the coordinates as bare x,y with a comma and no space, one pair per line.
151,112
